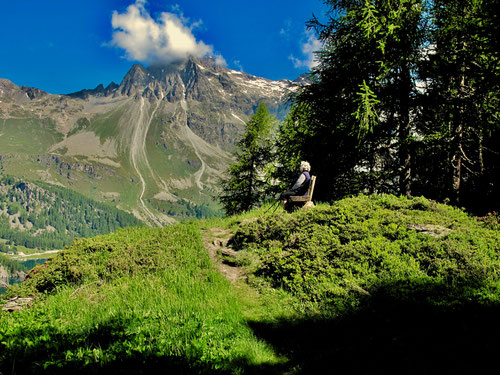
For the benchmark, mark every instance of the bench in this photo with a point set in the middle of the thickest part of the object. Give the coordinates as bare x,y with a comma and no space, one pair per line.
306,198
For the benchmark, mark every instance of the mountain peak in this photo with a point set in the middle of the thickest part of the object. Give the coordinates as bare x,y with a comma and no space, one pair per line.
136,73
19,94
303,79
136,76
100,90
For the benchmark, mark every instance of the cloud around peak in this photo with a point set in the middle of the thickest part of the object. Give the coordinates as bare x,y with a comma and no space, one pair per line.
167,39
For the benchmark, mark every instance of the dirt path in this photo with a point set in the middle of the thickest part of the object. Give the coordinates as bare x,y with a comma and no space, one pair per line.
224,258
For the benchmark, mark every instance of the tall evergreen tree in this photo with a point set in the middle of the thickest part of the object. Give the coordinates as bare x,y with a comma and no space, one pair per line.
462,102
361,102
249,177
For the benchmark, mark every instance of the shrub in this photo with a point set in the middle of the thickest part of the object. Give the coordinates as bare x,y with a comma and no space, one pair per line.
491,220
337,256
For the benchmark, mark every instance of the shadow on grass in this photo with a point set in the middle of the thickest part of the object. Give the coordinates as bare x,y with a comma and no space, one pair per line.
58,355
386,335
389,336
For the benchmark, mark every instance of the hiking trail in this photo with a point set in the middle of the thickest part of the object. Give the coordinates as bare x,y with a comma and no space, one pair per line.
216,241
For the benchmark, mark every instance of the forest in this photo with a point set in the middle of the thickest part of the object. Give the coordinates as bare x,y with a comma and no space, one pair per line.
404,100
43,216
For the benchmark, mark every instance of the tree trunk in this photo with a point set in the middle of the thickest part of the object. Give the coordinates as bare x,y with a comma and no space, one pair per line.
371,178
251,177
481,157
404,132
456,162
458,135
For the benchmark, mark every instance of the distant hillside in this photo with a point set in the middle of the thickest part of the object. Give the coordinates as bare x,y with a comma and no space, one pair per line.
10,268
38,215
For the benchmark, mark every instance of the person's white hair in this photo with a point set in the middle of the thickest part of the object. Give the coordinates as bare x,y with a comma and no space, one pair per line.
305,166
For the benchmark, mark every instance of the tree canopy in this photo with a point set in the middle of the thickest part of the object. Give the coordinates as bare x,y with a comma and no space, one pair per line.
404,100
249,176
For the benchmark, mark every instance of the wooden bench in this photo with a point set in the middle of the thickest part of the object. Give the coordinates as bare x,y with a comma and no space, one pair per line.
306,198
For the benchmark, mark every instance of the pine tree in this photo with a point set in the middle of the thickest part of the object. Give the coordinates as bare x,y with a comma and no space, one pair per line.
362,99
463,98
248,178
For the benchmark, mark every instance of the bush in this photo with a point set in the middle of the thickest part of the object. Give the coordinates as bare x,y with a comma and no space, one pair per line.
338,256
101,258
491,220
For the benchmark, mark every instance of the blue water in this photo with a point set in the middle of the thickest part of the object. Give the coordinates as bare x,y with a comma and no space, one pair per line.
29,265
33,262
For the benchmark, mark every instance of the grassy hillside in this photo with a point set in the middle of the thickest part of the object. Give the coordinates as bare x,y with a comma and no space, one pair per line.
368,285
18,135
131,301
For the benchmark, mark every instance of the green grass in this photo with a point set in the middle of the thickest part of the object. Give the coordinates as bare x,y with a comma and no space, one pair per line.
140,298
334,256
375,292
18,135
355,287
106,126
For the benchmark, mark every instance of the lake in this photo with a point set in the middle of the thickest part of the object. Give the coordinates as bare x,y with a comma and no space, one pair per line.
29,265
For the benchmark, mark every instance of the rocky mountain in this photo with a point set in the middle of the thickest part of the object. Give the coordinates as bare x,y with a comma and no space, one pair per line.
152,145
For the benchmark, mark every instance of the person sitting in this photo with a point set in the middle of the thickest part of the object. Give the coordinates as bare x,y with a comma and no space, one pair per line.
301,186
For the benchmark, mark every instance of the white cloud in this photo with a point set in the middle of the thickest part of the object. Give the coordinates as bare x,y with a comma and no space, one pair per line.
308,48
167,39
287,26
220,60
237,64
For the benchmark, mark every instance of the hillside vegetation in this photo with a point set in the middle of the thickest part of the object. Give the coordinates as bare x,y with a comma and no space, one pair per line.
366,285
156,144
39,215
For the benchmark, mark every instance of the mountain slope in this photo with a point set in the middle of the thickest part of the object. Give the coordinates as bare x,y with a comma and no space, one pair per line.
162,137
51,217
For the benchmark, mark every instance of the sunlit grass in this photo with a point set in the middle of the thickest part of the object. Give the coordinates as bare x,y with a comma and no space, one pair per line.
180,310
324,287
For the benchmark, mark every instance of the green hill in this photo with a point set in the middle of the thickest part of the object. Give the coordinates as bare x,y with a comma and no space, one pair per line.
367,285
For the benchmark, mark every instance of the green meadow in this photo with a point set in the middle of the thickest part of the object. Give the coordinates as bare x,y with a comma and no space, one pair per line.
17,135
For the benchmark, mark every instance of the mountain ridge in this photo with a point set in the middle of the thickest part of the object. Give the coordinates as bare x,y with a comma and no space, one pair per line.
164,135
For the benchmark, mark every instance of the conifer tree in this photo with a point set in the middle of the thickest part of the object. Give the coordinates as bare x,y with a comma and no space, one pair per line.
462,102
362,99
248,178
405,99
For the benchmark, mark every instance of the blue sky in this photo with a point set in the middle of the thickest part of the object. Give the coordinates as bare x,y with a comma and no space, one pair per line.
65,46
